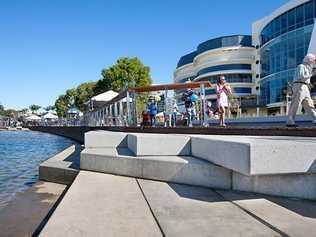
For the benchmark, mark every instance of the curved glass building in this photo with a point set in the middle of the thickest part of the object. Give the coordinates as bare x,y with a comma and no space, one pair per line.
282,40
260,66
231,56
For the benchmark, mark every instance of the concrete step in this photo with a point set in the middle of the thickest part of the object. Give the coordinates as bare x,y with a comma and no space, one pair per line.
63,167
285,185
250,155
102,205
101,138
142,144
186,211
178,169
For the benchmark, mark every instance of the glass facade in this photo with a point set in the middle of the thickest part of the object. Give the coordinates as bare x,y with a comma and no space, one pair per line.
226,41
237,90
296,18
186,59
286,40
224,67
230,78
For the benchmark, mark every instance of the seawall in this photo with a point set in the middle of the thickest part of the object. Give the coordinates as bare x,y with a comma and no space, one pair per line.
77,133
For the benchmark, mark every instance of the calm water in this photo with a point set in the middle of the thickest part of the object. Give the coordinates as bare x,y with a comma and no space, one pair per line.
20,155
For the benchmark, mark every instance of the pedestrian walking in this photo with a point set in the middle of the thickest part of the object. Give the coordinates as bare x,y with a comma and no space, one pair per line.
301,90
222,91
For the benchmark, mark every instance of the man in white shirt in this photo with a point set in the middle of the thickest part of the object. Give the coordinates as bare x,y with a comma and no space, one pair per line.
301,90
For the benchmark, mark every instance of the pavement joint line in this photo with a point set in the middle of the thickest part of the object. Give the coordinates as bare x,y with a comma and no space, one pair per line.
272,227
150,209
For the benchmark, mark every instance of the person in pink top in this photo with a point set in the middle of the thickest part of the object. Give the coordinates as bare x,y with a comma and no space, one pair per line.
222,91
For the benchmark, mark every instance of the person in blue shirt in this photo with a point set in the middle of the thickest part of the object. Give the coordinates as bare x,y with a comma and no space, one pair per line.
152,112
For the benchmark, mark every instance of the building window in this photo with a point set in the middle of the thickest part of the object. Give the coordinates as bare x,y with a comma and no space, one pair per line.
296,18
224,68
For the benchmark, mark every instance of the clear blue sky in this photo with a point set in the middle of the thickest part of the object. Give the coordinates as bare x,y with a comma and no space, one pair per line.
48,46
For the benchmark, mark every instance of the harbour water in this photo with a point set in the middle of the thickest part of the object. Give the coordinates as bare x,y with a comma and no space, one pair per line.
21,152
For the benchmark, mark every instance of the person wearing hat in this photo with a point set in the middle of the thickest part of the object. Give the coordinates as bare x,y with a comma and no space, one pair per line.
301,90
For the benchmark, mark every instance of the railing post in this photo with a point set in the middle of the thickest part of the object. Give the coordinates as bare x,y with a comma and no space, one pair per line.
128,109
203,105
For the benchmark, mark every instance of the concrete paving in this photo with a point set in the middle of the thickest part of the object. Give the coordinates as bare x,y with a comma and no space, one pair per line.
193,211
296,218
23,215
102,205
107,205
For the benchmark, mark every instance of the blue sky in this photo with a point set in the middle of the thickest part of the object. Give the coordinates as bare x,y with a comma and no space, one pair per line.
48,46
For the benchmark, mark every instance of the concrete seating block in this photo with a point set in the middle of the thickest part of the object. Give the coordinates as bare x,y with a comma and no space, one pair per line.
258,155
178,169
186,170
111,160
159,144
101,138
289,185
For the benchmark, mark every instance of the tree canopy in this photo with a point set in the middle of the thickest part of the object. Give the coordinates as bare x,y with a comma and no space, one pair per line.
34,108
127,72
75,97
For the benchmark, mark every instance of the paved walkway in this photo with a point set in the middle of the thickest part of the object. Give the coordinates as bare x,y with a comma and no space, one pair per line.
25,214
106,205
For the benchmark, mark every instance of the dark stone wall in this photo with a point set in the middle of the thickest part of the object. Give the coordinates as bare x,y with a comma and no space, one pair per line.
77,133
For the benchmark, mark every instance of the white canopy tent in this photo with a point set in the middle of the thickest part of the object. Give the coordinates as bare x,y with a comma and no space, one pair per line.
50,116
106,96
33,117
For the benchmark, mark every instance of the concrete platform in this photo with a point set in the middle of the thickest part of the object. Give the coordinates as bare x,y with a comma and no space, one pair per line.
159,144
63,167
258,155
293,185
107,205
101,138
192,211
178,169
102,205
291,217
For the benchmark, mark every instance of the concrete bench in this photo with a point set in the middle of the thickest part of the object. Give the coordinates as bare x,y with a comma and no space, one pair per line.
101,138
178,169
258,155
142,144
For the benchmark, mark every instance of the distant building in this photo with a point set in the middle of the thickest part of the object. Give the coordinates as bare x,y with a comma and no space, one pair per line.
258,67
282,40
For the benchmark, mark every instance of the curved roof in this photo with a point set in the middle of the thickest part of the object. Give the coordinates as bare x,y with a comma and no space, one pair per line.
220,42
186,59
225,41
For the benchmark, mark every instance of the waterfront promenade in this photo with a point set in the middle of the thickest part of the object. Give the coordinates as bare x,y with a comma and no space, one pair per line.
168,193
140,184
107,205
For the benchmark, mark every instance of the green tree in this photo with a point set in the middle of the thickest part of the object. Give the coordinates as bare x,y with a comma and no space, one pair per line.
34,108
1,108
127,72
62,105
83,93
75,97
